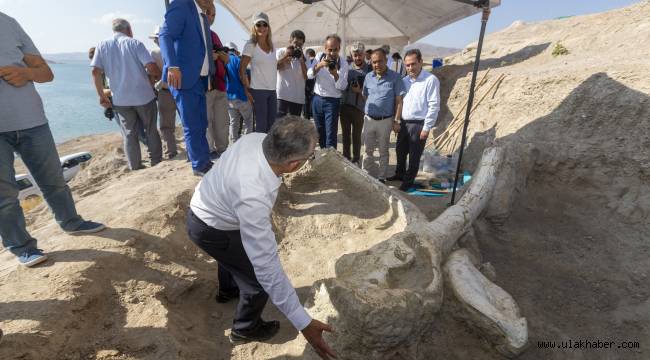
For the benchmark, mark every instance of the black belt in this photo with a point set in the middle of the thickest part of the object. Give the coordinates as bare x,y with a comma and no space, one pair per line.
378,118
413,121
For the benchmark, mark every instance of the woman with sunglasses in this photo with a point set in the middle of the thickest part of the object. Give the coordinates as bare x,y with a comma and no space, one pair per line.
260,90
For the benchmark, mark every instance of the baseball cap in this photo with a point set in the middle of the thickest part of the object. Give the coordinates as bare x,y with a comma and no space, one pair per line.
156,31
233,46
357,47
261,17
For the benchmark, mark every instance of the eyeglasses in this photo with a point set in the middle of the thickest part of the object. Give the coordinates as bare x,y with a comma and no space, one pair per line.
261,24
305,160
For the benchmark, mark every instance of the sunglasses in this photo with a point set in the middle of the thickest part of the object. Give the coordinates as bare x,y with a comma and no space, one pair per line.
261,24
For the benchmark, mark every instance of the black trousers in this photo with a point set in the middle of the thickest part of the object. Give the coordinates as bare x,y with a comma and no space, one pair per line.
309,94
351,129
287,107
409,144
235,270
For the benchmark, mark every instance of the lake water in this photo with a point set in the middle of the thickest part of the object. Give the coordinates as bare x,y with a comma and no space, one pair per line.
71,103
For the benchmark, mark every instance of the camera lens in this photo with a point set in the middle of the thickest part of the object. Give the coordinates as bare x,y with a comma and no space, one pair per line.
109,114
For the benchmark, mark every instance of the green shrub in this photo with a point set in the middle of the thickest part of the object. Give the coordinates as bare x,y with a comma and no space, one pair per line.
559,49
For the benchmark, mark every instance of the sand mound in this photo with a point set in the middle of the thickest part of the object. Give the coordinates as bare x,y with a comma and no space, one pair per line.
567,229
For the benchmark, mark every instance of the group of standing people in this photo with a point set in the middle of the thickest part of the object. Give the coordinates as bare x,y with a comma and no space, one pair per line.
194,75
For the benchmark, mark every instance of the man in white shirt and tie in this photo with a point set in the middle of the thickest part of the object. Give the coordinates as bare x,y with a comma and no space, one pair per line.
230,219
420,109
331,76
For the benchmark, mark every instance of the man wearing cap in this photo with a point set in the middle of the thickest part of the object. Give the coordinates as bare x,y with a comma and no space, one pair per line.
239,108
166,104
331,74
123,60
383,90
186,47
353,104
419,115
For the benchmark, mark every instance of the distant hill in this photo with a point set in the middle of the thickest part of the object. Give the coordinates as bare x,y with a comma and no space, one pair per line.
66,57
430,51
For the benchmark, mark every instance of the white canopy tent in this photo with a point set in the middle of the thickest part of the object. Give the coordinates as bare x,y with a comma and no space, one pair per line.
373,22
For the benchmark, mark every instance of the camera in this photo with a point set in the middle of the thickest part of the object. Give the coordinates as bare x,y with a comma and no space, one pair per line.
331,64
109,113
297,53
358,82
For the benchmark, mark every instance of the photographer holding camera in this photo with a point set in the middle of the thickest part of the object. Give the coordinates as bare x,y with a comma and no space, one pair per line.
292,74
331,76
354,103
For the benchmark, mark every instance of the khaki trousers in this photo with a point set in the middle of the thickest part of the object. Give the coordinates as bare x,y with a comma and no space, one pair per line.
376,134
218,120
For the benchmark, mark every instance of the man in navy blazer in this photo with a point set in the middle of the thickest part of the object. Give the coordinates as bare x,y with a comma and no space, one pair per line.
186,47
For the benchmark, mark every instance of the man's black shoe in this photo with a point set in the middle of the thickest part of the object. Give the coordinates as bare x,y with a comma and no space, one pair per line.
265,331
406,186
225,296
396,178
383,181
205,169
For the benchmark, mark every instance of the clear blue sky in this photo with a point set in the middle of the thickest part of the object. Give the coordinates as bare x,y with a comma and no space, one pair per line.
75,25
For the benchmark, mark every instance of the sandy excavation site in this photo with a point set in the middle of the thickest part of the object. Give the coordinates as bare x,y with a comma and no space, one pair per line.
550,242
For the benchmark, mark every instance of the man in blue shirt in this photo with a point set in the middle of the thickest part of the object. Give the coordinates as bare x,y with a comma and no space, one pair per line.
24,130
383,90
239,108
123,60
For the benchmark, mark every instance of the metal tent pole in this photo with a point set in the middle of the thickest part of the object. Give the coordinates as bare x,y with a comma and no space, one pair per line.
486,14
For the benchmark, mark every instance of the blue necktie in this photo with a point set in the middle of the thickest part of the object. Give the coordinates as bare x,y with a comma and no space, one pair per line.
208,41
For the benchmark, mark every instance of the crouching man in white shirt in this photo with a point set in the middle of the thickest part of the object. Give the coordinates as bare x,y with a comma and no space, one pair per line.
230,219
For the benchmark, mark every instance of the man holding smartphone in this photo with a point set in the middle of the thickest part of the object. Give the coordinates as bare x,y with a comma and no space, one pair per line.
353,104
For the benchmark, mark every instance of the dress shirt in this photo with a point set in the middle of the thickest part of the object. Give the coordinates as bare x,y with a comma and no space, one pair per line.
205,69
238,194
325,84
380,93
422,100
123,60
